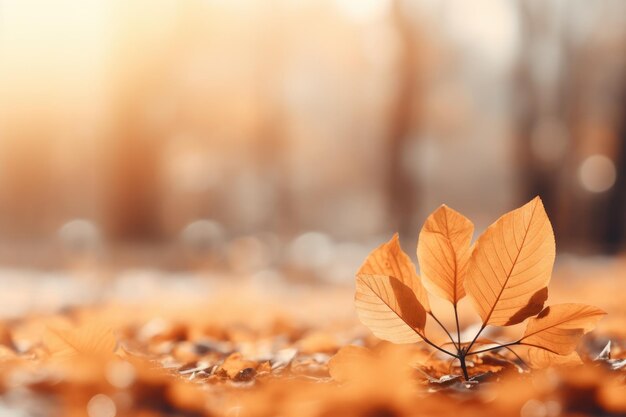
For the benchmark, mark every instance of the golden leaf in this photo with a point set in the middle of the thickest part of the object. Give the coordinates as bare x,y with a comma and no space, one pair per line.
316,342
234,364
87,340
443,252
389,259
349,361
538,358
383,368
510,266
389,308
558,328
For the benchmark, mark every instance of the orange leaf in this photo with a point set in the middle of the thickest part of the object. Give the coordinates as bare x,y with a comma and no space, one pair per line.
87,340
443,252
386,368
234,364
389,308
510,267
389,259
348,362
558,328
539,358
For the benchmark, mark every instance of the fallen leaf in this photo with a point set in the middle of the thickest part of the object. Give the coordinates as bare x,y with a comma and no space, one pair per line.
318,342
386,364
443,251
90,339
235,364
348,362
510,266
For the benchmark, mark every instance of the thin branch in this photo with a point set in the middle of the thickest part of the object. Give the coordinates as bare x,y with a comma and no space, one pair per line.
539,347
457,347
506,345
425,339
517,342
458,328
433,353
476,337
437,347
518,357
452,343
464,366
450,365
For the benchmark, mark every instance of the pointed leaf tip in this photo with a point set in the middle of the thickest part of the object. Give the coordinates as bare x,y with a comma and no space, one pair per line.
390,260
443,251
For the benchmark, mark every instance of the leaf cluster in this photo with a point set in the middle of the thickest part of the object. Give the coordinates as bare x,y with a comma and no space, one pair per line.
505,273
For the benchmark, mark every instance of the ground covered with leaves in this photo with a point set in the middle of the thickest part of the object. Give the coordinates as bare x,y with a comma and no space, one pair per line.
250,348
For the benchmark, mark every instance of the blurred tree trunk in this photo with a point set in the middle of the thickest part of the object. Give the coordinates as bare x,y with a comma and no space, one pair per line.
271,145
27,197
400,186
536,177
594,220
143,52
551,177
615,226
583,220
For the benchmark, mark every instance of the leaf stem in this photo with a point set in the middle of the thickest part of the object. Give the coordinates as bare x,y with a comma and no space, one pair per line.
457,347
518,357
469,347
442,350
458,328
505,345
517,342
463,366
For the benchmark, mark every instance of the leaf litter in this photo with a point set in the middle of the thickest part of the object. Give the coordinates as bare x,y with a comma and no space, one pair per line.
308,356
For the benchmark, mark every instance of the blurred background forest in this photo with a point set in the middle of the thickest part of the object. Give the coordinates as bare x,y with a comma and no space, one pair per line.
295,135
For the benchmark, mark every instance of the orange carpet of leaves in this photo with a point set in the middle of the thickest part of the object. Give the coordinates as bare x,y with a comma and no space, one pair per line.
256,352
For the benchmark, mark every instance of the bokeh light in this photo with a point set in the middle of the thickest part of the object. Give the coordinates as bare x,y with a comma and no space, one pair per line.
101,405
597,173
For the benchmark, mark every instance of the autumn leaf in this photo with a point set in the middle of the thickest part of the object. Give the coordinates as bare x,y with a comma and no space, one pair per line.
558,328
510,266
390,260
387,362
443,252
235,365
389,308
538,358
349,361
92,339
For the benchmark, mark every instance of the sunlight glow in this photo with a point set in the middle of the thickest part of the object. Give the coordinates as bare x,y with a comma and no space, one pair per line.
362,11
